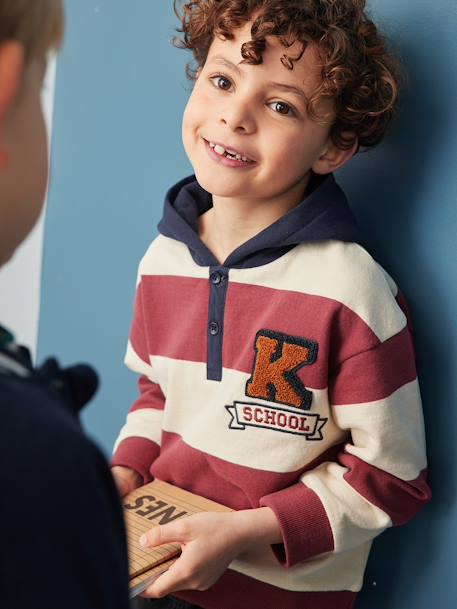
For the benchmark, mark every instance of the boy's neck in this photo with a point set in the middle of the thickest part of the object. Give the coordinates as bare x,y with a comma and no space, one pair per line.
231,222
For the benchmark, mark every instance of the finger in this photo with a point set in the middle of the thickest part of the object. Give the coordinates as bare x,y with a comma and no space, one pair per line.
167,583
121,485
166,533
121,480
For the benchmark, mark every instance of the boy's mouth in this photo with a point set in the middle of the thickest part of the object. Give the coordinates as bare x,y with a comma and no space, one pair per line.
229,153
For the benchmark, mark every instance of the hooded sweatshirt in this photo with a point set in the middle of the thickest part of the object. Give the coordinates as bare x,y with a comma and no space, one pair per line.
284,377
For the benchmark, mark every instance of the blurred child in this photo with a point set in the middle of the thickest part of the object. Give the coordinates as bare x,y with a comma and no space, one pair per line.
276,361
61,526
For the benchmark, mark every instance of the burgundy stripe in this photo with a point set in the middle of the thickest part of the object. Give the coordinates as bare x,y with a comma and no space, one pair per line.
138,454
338,331
173,313
397,498
236,591
375,374
237,486
151,395
176,328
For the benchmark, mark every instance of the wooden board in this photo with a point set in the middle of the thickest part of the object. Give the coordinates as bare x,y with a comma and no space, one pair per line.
151,505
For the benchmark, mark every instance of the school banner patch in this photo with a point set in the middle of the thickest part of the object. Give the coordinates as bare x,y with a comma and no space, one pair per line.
248,414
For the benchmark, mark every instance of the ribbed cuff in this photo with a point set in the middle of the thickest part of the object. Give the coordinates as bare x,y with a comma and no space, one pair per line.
138,454
305,527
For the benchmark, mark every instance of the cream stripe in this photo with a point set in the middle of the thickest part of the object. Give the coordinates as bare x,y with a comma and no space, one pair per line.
199,416
346,570
353,519
388,433
142,423
135,363
169,257
392,285
344,272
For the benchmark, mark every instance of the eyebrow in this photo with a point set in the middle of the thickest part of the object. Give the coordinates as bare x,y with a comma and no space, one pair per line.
219,59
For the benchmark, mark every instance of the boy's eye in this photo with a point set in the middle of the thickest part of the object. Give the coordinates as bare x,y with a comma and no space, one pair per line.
221,82
283,108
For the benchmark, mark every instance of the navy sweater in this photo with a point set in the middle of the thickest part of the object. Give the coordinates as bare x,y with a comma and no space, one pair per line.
61,526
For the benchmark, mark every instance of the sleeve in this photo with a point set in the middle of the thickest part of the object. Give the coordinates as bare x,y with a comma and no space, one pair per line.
62,529
138,443
378,478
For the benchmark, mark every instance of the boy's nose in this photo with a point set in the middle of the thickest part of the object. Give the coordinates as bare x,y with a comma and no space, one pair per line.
238,117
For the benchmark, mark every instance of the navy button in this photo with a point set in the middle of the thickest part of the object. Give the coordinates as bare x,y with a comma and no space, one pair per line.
216,278
214,328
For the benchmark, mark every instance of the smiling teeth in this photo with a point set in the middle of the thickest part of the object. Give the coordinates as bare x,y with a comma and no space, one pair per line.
221,151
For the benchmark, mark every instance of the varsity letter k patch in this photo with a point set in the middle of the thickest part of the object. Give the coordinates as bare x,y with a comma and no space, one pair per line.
278,357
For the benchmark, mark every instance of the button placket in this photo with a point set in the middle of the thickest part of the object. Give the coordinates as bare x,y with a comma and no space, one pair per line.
218,278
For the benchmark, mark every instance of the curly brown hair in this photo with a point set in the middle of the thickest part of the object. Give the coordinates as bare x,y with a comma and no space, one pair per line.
357,69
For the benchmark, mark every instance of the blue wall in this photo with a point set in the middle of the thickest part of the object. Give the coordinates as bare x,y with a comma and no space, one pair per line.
117,147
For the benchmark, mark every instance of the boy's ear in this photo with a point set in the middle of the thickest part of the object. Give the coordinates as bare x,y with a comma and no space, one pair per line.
11,70
332,157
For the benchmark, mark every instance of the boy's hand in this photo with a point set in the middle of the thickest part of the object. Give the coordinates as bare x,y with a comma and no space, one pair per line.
209,542
126,479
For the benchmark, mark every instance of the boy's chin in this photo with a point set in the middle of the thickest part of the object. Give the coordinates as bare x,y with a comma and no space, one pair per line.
220,185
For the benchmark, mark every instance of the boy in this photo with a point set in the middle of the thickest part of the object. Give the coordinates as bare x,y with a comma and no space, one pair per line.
277,369
61,527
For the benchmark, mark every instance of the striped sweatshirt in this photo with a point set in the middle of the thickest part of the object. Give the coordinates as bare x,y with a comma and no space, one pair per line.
284,377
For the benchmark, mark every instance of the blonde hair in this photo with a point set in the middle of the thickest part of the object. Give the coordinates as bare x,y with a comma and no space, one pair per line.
37,24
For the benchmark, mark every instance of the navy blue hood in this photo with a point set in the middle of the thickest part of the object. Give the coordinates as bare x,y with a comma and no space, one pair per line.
323,214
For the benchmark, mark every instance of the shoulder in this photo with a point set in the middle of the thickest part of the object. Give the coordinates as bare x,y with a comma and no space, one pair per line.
348,274
345,275
167,256
163,246
38,428
349,267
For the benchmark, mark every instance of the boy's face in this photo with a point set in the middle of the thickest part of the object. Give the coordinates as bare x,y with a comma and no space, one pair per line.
247,112
24,172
